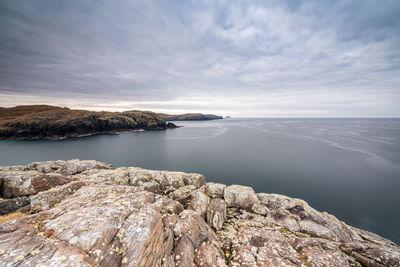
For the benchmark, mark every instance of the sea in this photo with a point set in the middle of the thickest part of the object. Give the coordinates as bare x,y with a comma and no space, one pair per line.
347,167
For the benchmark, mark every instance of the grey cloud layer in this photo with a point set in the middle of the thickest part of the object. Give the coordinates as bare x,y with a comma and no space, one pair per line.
244,58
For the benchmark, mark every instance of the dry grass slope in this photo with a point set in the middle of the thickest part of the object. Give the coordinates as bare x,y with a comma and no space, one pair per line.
11,216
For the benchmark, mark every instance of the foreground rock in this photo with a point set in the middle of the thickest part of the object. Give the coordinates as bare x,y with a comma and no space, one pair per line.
99,216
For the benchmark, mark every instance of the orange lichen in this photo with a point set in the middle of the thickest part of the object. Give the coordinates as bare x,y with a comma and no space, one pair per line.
11,216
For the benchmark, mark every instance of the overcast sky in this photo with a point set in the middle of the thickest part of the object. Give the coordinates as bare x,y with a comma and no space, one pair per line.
238,58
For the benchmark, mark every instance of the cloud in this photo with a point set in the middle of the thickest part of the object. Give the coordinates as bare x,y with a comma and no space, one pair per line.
245,58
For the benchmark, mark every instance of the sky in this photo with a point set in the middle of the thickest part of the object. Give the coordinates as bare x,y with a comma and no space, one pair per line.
238,58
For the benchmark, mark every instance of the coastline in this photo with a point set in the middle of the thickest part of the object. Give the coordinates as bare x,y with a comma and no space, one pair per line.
72,136
43,122
238,226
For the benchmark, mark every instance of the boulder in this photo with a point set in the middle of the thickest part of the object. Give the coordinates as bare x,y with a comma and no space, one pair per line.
195,179
183,194
240,196
25,183
215,190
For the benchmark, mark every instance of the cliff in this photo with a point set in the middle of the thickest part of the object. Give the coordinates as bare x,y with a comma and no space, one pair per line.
51,122
85,213
48,122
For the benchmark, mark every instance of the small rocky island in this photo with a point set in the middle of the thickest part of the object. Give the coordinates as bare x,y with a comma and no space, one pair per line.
52,122
86,213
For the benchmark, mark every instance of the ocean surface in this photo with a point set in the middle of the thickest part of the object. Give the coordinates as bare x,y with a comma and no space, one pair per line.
347,167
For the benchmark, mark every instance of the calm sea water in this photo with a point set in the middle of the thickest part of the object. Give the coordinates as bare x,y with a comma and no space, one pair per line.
348,167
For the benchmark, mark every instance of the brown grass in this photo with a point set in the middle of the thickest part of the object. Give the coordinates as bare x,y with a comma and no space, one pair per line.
11,216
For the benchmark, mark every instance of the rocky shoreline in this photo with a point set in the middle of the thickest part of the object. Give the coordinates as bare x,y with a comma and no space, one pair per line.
86,213
39,122
50,122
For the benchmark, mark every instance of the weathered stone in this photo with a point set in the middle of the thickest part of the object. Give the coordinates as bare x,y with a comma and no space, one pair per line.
240,196
108,217
68,167
168,181
48,199
183,194
104,176
107,224
318,252
198,203
184,252
25,183
215,190
193,228
13,204
194,179
208,254
216,213
151,186
259,208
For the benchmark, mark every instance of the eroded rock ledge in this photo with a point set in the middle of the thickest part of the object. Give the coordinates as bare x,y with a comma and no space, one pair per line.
85,213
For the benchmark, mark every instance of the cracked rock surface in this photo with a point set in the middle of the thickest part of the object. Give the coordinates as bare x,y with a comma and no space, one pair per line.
86,213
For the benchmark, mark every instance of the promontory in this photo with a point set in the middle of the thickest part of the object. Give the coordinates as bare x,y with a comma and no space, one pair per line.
52,122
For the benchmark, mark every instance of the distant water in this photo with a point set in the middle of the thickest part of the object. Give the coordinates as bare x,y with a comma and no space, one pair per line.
348,167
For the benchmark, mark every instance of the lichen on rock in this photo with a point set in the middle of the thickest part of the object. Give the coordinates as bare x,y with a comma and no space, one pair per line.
85,213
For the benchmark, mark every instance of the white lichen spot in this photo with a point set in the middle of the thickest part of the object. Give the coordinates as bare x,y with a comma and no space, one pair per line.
19,258
35,252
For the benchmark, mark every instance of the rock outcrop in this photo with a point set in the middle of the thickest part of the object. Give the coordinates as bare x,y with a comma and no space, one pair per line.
51,122
85,213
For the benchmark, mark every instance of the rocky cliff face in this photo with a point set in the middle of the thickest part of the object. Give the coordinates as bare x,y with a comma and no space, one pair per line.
51,122
85,213
46,122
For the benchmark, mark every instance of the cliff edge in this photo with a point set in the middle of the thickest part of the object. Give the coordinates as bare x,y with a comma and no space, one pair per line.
33,122
86,213
51,122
